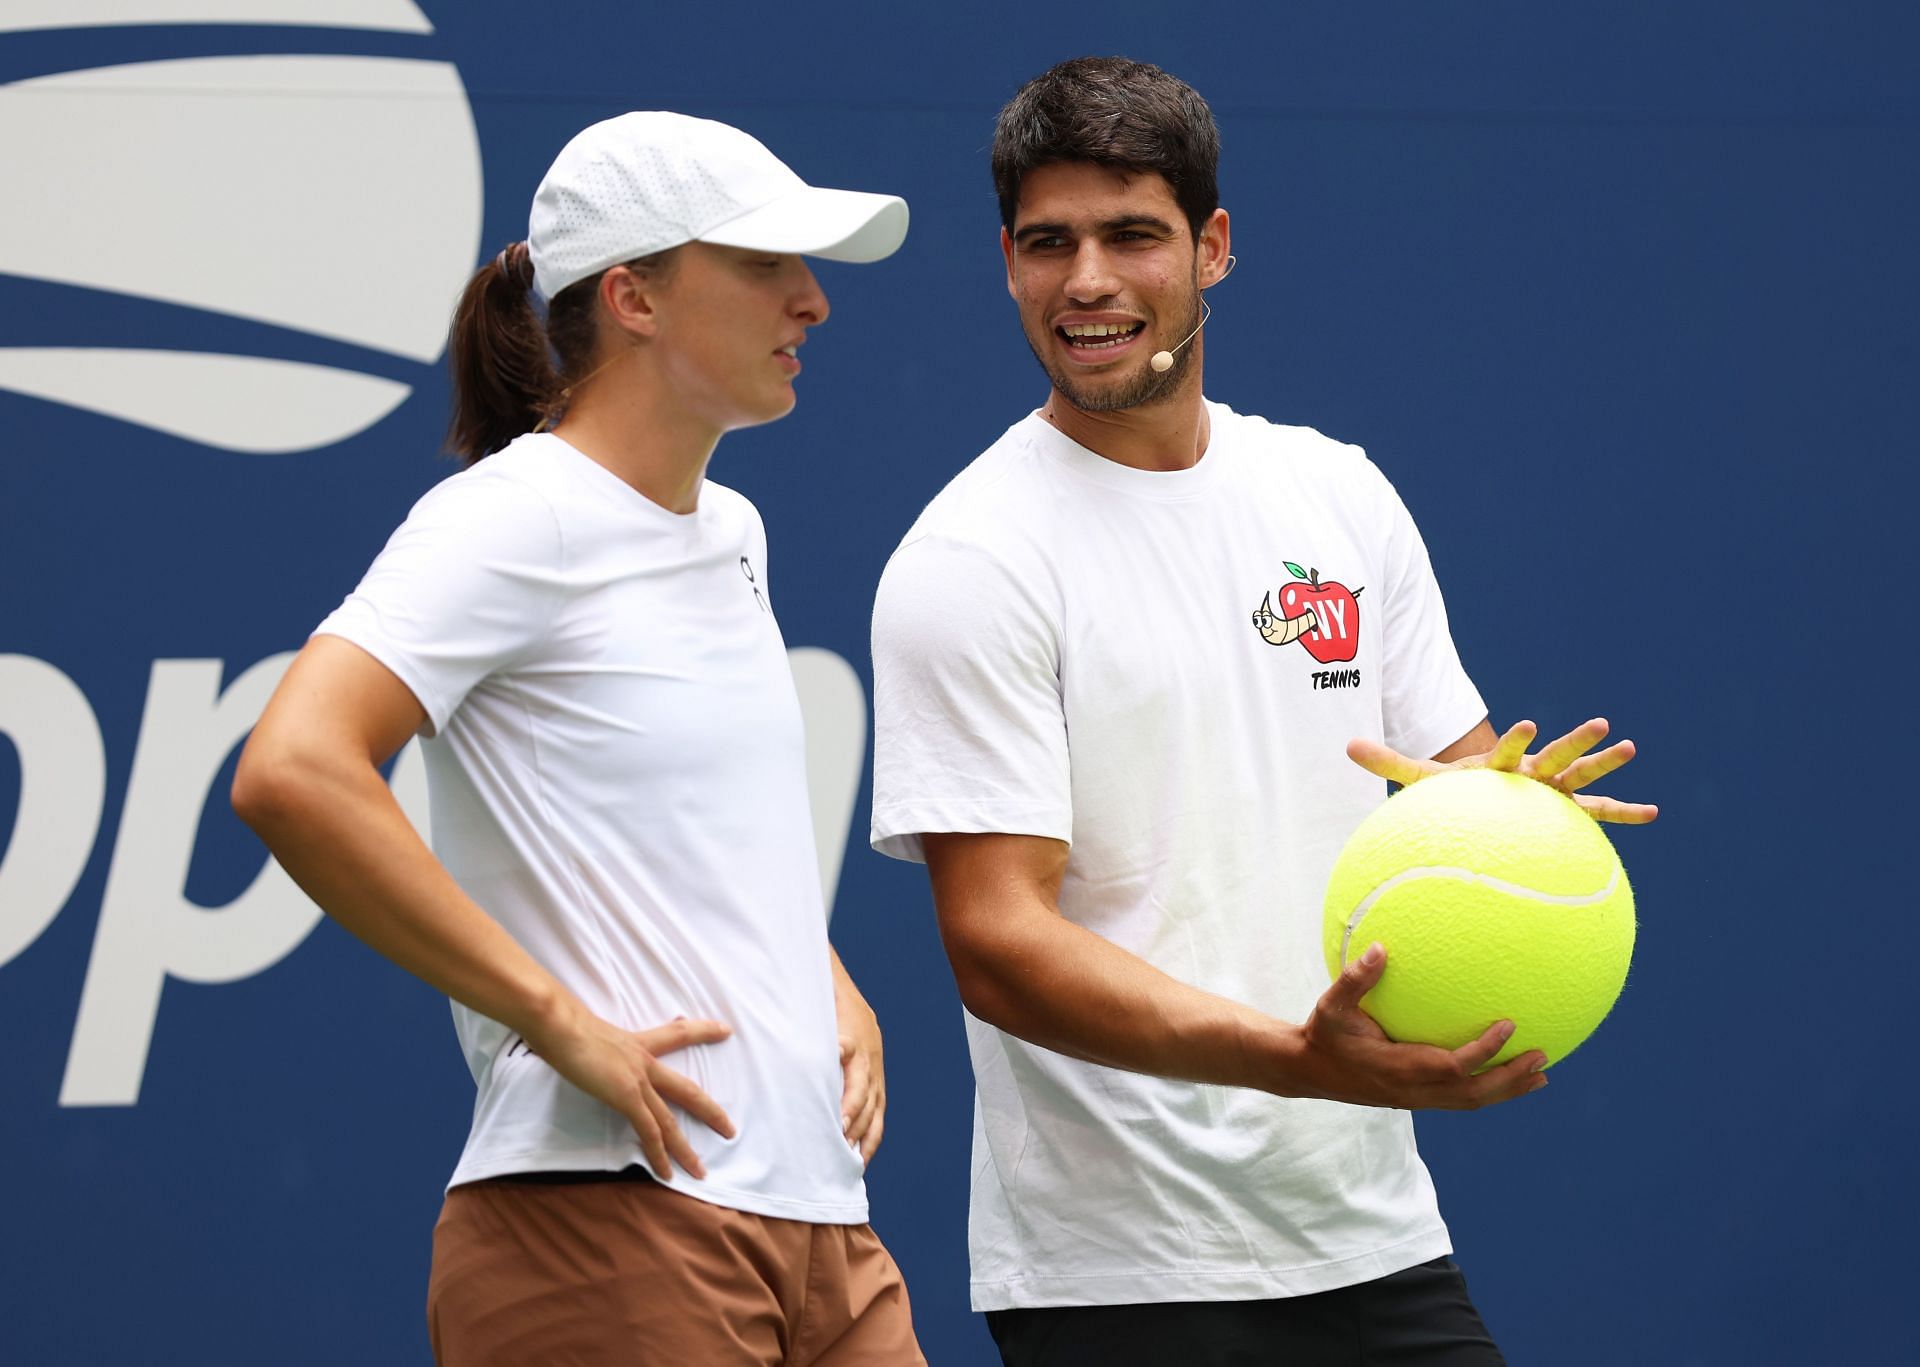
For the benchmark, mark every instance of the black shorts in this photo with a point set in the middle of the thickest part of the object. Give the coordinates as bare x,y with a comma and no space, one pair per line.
1421,1317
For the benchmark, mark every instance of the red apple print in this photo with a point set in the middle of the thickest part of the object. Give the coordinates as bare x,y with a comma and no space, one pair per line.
1336,632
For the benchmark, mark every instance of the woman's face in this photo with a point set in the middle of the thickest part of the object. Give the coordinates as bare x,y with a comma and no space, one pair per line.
730,324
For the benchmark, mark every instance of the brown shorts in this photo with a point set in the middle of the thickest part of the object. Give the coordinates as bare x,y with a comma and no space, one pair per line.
625,1273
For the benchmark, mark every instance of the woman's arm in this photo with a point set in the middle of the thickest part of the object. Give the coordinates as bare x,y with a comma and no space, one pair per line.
309,784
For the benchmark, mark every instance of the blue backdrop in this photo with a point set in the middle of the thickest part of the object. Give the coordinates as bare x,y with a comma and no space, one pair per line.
1621,297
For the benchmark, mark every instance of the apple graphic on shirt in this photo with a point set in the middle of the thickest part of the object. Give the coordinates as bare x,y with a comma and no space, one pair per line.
1336,630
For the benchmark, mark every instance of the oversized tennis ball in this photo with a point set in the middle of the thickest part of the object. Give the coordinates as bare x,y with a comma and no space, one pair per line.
1496,898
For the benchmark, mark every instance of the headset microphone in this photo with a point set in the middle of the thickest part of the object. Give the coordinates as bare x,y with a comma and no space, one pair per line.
1162,361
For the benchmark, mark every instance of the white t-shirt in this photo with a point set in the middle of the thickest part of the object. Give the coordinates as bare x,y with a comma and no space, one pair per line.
617,775
1068,647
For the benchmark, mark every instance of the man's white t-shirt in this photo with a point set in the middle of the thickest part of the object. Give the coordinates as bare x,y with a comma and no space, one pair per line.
617,776
1068,647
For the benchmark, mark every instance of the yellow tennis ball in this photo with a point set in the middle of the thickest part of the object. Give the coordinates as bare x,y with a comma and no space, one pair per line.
1496,898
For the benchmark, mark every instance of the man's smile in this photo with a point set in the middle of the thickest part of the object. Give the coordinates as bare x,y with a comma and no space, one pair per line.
1098,339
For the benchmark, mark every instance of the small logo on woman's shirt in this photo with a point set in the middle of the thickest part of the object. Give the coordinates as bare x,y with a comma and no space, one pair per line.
746,568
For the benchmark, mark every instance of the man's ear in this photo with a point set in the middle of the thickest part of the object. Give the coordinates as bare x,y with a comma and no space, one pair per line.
632,300
1215,249
1006,250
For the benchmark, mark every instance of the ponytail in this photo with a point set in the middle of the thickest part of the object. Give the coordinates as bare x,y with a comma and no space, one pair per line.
502,351
503,379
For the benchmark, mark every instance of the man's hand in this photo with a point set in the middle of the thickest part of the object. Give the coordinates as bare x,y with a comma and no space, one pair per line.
863,1092
1563,764
622,1068
1346,1056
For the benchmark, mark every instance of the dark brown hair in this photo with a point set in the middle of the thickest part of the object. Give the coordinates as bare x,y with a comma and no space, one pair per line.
511,367
1130,116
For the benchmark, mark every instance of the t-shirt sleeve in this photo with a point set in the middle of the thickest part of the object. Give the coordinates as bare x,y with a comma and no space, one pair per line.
969,729
1427,700
464,588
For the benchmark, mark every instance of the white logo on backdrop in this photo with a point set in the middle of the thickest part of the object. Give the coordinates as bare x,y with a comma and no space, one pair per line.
335,196
397,16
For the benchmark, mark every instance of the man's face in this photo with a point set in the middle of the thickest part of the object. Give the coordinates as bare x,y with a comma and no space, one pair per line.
736,317
1106,273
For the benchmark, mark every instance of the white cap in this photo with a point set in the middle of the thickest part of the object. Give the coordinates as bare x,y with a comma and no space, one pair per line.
643,182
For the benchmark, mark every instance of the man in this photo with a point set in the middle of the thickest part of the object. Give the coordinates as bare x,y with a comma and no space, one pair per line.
1114,690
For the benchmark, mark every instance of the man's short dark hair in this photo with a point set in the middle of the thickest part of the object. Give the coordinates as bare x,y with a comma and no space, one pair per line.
1130,116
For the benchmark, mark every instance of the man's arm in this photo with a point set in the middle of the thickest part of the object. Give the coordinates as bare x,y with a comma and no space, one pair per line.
309,784
1023,967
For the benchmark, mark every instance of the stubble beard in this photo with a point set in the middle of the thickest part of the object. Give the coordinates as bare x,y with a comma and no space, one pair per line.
1144,387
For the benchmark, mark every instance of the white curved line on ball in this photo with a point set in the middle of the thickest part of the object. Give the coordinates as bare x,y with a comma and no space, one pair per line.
1486,880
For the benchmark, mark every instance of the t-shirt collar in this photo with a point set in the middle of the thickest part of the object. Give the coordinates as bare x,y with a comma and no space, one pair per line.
1165,484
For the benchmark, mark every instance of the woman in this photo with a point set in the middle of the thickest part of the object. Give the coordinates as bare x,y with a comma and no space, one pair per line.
622,864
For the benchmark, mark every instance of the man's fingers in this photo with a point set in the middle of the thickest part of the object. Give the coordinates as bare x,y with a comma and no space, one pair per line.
1355,981
1591,768
1389,764
1511,748
1566,765
1479,1053
1515,1077
680,1034
1556,755
1615,812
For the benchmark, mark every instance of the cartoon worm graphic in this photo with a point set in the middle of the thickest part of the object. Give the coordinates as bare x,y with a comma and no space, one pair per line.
1279,631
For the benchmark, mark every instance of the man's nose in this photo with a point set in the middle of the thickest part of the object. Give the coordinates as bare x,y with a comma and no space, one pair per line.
1092,276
